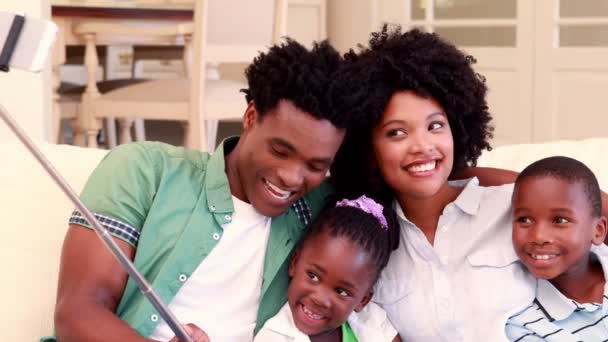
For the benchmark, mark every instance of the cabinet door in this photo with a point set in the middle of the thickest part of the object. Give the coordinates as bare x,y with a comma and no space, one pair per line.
498,33
306,20
571,69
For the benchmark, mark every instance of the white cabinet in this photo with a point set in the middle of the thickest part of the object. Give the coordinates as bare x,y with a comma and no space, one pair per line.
546,62
306,20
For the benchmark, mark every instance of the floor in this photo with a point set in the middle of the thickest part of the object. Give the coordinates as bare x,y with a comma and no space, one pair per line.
172,132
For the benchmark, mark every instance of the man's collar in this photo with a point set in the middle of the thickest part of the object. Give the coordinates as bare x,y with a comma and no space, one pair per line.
219,197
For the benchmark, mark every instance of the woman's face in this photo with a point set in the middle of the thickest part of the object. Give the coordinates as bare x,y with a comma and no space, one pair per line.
413,145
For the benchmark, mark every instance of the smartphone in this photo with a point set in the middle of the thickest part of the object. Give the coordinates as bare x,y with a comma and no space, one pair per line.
34,43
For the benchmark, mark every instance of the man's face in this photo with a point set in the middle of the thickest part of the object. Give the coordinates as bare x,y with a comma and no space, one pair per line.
331,277
553,228
282,156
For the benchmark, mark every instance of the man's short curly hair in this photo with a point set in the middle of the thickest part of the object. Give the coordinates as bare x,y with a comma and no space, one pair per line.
430,67
290,71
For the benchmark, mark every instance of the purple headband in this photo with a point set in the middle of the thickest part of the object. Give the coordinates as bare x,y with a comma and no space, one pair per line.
368,205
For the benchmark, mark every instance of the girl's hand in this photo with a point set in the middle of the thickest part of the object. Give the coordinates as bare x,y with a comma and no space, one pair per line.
197,334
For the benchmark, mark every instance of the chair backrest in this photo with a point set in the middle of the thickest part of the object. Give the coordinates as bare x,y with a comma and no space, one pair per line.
239,29
229,31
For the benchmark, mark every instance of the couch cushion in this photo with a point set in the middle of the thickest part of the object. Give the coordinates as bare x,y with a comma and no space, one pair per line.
593,152
34,214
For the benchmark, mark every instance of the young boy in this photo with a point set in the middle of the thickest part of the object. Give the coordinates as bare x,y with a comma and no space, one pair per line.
558,232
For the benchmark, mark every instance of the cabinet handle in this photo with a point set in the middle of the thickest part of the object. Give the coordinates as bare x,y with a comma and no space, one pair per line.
125,58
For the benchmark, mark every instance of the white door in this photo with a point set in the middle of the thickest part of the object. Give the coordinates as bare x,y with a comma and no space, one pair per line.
571,69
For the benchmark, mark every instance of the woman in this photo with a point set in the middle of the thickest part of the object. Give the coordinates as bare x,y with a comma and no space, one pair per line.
455,275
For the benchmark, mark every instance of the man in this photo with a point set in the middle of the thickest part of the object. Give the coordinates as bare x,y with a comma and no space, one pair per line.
212,233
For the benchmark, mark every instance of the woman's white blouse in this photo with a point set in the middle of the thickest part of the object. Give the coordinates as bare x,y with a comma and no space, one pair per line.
465,286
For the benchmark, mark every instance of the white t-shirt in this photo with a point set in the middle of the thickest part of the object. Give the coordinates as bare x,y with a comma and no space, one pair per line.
466,285
223,294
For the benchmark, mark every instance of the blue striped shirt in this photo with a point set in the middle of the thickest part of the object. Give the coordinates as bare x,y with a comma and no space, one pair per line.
554,317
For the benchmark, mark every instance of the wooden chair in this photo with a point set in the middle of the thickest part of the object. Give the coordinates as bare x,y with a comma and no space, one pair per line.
224,31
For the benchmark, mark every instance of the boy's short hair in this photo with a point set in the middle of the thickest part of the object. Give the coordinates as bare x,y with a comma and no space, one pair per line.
571,171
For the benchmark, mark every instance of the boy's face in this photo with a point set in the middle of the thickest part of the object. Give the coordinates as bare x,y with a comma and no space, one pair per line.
553,228
331,277
283,156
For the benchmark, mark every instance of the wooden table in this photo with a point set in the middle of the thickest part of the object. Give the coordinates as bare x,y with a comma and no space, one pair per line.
68,13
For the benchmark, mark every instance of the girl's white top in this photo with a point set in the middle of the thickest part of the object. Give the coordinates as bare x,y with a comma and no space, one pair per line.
369,325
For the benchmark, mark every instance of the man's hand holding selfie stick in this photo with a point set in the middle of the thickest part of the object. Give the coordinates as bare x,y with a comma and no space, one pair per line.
25,43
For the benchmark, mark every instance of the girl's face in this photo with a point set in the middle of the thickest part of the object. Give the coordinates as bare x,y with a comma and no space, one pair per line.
331,277
413,145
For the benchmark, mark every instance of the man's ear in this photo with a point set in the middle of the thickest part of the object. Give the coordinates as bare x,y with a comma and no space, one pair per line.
364,301
599,233
293,261
250,116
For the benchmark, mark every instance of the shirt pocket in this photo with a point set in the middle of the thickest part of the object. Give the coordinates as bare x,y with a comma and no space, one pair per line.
499,281
400,297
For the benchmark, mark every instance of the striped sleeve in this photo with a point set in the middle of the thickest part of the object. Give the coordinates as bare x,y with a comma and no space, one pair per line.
531,324
119,229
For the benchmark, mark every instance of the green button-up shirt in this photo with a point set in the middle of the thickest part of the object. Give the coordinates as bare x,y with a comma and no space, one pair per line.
169,203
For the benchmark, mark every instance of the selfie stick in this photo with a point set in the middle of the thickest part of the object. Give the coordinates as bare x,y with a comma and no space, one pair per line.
103,234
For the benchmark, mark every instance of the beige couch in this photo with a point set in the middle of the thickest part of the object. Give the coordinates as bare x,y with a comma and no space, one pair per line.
34,214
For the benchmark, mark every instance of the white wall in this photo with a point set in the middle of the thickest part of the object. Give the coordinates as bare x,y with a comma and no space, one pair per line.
25,95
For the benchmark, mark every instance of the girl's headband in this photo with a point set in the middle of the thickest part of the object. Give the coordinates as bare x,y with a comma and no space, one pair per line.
368,205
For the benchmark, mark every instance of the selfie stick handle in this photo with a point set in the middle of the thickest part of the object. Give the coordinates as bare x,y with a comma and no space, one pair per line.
11,42
141,282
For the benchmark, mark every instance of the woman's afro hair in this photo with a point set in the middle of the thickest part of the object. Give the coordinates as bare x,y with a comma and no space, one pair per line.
409,61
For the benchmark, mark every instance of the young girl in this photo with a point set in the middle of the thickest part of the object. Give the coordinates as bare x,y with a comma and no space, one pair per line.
333,271
455,275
